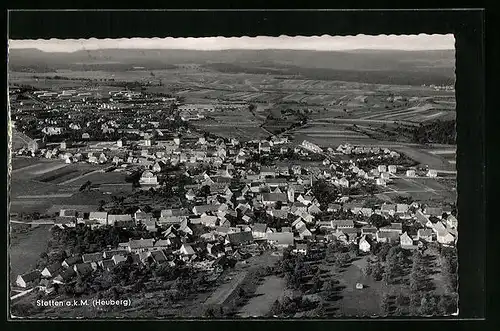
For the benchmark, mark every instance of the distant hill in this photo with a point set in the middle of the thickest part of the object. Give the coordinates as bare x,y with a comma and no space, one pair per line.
426,62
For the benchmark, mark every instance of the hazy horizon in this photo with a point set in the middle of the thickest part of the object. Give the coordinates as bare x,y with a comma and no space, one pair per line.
420,42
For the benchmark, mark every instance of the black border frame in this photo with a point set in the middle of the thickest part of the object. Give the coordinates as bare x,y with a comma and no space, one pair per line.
467,26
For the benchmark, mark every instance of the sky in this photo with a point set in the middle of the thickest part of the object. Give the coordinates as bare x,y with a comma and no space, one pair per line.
320,43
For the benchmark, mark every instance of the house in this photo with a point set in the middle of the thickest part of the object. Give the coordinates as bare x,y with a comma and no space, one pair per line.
380,182
51,270
298,223
239,238
368,231
278,213
148,178
150,224
445,237
70,261
352,234
313,209
304,233
100,217
406,241
391,169
382,168
305,199
84,269
402,208
259,230
432,173
92,257
393,227
140,245
387,236
333,207
434,211
410,173
110,254
185,228
85,136
107,265
300,249
209,221
158,256
452,222
364,245
120,219
118,258
272,198
25,279
280,239
201,209
64,277
156,167
186,249
424,235
421,218
142,217
389,209
341,224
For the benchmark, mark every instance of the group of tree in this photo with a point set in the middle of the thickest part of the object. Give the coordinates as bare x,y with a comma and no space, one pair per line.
325,192
82,239
438,132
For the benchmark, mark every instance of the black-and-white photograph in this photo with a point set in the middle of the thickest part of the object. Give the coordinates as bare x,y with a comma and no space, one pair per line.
233,177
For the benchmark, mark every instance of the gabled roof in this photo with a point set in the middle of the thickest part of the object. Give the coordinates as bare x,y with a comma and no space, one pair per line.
98,215
393,226
53,267
84,268
93,257
281,238
123,218
73,260
141,243
274,197
31,276
188,249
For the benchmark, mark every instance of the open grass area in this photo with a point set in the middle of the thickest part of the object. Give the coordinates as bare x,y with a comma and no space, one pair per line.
25,249
266,294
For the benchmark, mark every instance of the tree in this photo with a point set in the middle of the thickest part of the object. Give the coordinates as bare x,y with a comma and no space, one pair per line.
428,305
385,304
448,304
368,269
377,271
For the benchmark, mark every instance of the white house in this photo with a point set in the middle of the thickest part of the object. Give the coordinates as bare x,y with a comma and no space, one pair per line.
25,279
391,169
405,240
148,178
364,245
410,173
101,217
432,173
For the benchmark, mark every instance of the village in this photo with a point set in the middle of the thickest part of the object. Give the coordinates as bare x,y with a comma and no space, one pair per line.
223,201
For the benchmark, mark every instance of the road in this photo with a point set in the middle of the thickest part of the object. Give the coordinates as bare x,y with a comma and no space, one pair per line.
80,177
360,121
